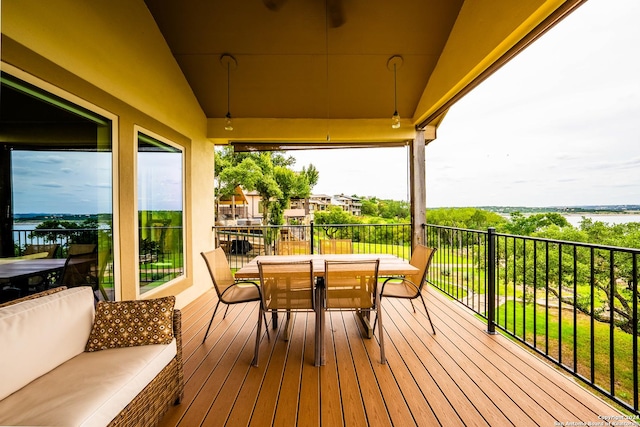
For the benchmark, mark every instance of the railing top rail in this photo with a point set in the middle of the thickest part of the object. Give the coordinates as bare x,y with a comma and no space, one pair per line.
568,242
542,239
456,228
259,227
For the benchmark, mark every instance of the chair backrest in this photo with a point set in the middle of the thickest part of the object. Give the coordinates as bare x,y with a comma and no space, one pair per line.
294,247
49,248
351,284
336,246
81,270
219,269
82,248
287,285
104,258
421,257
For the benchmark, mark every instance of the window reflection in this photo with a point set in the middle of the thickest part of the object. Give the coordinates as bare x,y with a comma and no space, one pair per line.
160,212
55,193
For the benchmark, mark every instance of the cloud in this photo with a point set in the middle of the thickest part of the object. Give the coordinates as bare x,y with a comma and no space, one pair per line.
52,158
49,185
100,185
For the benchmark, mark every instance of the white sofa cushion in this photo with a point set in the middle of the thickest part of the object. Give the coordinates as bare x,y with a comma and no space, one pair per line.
38,335
89,390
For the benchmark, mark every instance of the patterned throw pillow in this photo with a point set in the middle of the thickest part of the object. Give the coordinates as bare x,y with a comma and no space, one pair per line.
131,323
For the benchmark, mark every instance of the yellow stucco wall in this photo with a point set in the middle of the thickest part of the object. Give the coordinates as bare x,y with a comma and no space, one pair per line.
111,54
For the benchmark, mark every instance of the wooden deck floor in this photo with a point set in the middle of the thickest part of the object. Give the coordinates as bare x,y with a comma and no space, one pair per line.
460,376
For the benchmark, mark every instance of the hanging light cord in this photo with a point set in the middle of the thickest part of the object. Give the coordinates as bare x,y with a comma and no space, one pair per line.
326,47
228,89
395,90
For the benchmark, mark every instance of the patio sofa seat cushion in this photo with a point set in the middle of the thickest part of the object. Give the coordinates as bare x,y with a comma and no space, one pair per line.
89,390
49,379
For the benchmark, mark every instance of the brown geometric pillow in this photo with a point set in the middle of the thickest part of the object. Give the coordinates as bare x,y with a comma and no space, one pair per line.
131,323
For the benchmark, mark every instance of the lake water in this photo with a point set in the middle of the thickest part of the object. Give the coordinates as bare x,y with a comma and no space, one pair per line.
606,218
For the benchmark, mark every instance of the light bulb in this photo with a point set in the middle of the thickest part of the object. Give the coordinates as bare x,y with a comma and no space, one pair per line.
227,123
395,120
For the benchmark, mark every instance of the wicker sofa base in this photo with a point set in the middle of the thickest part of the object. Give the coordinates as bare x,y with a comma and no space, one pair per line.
148,408
165,390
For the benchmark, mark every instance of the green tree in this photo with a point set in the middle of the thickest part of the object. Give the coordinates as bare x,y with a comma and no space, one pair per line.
231,173
335,215
582,266
269,173
370,207
470,218
312,175
522,225
54,230
393,209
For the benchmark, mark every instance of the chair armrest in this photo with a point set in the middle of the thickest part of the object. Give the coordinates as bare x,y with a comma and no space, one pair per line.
402,280
248,282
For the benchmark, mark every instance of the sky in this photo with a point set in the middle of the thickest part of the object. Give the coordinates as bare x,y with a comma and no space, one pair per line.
61,182
559,125
79,182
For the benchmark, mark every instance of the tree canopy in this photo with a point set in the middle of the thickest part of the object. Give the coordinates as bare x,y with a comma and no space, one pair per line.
269,173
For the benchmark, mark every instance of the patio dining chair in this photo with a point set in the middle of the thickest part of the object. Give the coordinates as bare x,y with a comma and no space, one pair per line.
353,286
229,290
285,286
336,246
40,283
410,287
80,270
49,248
82,248
294,247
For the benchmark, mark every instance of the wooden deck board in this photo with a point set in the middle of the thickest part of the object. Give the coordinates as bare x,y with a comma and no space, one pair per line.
553,391
460,376
309,404
331,411
287,406
370,391
352,404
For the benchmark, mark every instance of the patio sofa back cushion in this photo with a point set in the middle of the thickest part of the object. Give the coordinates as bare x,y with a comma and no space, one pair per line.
38,335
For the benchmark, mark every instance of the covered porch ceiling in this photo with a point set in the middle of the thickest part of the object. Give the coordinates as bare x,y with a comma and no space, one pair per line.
317,72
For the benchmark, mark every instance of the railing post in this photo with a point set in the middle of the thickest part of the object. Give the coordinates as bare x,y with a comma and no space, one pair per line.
312,233
491,280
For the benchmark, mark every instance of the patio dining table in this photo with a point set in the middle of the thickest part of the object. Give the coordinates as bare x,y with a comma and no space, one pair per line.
17,273
12,271
390,265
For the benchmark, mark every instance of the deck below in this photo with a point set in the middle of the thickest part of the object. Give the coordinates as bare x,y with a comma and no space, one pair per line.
460,376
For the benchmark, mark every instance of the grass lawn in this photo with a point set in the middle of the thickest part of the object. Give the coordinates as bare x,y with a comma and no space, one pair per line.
519,319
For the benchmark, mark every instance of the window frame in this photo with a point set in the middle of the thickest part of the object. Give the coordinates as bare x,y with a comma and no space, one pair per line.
137,130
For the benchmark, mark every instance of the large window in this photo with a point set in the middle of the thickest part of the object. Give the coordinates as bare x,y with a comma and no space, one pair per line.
160,211
55,191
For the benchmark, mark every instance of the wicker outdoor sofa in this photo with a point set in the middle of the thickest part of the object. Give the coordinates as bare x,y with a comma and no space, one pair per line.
51,386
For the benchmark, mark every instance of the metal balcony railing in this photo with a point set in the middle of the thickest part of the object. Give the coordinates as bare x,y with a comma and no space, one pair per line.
574,303
242,243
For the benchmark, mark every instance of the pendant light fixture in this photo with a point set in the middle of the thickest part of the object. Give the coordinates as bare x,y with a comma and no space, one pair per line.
228,62
393,64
